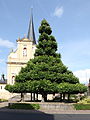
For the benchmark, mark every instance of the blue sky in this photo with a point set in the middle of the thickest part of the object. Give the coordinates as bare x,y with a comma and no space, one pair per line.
70,23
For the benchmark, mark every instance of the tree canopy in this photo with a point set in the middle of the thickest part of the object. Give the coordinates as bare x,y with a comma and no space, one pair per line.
46,73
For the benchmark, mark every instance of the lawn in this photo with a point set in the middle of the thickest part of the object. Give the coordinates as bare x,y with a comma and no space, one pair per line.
82,106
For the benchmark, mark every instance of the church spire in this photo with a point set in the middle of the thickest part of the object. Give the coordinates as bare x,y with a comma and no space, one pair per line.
31,34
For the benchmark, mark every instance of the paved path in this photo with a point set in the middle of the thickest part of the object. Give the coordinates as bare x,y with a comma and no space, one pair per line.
3,104
66,112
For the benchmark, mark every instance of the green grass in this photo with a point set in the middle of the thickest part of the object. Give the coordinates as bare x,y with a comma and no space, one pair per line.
24,106
82,106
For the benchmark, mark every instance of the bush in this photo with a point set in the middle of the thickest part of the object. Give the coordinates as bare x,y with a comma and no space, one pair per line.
82,106
24,106
85,101
3,100
88,100
77,97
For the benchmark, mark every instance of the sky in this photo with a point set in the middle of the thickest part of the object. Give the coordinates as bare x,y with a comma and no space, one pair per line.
70,23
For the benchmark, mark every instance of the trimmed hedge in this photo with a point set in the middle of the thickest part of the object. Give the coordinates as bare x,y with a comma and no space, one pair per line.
24,106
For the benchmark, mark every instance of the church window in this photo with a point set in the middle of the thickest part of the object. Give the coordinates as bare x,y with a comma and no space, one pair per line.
13,78
24,51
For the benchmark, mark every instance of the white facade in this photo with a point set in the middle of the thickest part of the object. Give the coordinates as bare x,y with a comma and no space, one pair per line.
25,51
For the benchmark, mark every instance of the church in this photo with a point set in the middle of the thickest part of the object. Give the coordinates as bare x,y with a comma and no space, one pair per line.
17,59
25,51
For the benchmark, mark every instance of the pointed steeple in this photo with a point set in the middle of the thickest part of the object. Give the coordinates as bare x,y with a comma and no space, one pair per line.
31,34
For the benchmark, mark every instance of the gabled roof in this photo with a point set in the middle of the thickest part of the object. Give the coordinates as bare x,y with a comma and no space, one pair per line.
3,82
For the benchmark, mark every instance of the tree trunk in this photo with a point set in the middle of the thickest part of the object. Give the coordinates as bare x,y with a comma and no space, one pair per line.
44,97
61,97
53,96
22,97
68,97
31,96
36,96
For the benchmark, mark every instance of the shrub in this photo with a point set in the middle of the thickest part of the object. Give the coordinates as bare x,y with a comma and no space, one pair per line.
85,101
3,100
24,106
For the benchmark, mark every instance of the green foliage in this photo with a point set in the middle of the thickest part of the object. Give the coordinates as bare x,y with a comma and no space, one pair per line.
71,88
46,44
80,88
24,106
82,106
46,68
17,88
45,27
3,100
41,86
9,88
85,101
46,73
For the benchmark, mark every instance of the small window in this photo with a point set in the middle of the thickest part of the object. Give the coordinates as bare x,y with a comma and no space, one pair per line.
24,51
1,87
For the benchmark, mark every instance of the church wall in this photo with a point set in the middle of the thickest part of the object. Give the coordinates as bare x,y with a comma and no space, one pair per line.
18,56
25,51
13,70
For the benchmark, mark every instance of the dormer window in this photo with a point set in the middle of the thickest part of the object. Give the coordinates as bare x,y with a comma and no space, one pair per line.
24,51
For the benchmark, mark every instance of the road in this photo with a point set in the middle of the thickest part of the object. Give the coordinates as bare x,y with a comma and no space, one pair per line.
12,114
37,115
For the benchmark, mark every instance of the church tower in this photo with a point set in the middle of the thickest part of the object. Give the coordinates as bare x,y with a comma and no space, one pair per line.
25,51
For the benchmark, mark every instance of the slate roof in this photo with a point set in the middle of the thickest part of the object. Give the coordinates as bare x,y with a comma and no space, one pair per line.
31,33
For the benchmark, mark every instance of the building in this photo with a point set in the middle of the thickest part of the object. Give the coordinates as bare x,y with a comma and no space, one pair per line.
3,82
25,51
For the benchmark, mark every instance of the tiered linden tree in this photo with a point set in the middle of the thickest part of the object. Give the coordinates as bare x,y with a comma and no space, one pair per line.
46,74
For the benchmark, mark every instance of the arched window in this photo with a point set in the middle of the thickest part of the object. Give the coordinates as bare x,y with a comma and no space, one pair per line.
13,78
24,51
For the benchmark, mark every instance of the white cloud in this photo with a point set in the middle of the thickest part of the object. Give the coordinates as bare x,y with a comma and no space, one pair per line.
83,75
58,12
6,43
